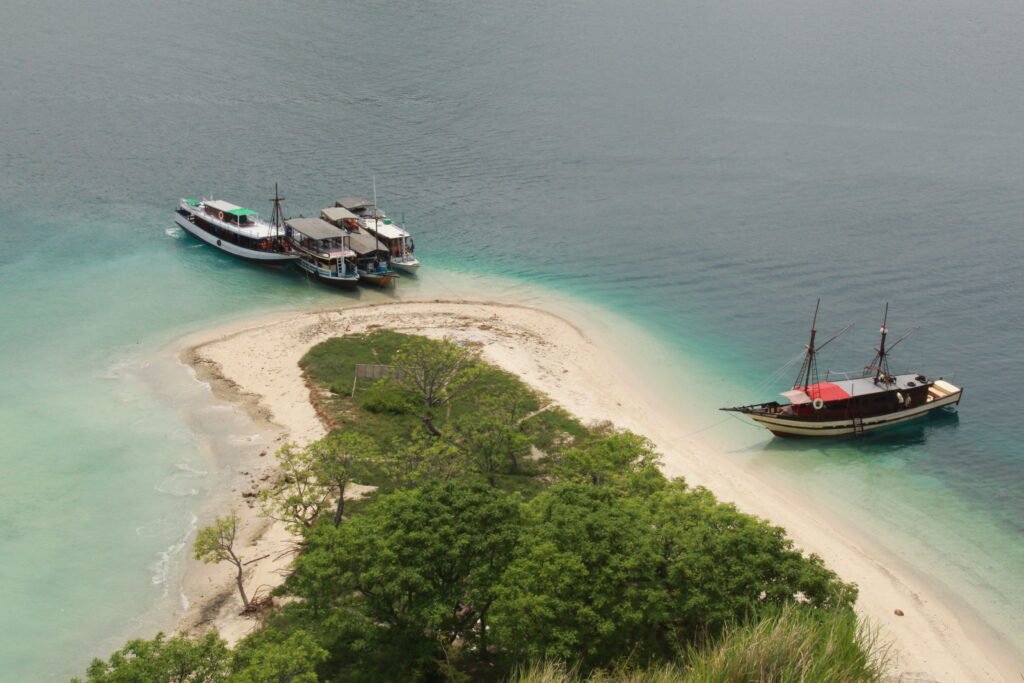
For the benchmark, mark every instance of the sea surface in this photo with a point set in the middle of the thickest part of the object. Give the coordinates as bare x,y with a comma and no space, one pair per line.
704,170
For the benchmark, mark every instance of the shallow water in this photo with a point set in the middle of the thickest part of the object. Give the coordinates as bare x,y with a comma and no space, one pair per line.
706,171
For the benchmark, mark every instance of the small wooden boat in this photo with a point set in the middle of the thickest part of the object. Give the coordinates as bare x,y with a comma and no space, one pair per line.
372,258
236,230
839,407
324,251
398,242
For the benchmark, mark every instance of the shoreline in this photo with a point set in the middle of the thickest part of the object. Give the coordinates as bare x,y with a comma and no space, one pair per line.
254,364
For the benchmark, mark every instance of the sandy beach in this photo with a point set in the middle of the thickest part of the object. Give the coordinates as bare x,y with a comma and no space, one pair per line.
255,364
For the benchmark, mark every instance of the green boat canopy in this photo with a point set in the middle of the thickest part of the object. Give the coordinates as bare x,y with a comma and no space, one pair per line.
242,212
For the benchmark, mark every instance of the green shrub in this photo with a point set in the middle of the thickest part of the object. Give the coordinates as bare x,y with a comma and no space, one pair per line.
384,397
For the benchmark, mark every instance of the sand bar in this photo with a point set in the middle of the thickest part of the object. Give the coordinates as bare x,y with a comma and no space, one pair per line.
255,362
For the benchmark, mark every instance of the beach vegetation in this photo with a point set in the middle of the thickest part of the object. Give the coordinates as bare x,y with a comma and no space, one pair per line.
384,396
278,657
179,659
506,540
435,371
291,658
492,444
607,457
794,644
791,644
339,459
421,566
297,497
216,543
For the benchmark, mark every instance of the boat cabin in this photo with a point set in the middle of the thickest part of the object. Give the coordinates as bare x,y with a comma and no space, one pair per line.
397,240
318,238
863,396
368,249
362,208
230,213
341,217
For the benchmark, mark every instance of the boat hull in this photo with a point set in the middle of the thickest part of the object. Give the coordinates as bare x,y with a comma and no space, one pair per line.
341,282
379,280
406,266
782,426
266,258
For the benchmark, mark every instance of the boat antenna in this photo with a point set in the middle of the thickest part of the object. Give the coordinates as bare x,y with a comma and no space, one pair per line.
277,217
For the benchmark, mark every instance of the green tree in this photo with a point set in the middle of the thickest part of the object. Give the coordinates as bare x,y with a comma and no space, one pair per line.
603,573
424,459
422,565
490,444
582,586
287,659
168,660
216,543
719,564
435,372
340,459
297,499
620,459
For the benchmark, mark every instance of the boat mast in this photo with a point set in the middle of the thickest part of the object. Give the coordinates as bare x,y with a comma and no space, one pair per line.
376,224
277,217
881,361
809,368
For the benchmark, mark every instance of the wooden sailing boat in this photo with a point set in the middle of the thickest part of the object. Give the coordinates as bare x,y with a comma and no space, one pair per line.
851,406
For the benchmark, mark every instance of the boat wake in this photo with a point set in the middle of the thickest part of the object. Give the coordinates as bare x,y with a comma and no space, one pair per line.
175,233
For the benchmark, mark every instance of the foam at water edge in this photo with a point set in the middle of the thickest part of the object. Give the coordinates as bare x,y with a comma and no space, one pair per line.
161,568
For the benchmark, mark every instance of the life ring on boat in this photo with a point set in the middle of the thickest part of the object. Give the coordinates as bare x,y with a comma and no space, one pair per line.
220,215
191,218
818,404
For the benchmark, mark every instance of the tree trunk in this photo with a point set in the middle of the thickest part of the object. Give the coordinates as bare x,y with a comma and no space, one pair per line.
483,637
428,421
241,586
340,509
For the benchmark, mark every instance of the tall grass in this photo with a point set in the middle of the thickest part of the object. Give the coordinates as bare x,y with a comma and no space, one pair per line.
796,645
556,672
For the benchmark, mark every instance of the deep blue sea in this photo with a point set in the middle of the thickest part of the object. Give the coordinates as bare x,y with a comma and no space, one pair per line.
706,170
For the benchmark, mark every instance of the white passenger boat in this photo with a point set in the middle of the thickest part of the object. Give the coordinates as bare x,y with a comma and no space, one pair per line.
324,251
236,230
395,239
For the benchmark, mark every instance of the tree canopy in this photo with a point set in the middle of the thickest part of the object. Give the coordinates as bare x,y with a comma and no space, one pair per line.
504,536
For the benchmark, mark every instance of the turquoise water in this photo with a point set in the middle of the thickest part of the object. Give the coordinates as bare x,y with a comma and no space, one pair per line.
705,170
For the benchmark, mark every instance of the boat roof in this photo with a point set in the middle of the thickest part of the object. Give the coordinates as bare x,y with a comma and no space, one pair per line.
315,228
365,244
336,213
848,388
388,230
227,207
353,203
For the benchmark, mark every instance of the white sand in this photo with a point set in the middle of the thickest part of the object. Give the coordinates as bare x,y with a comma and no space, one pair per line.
258,362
